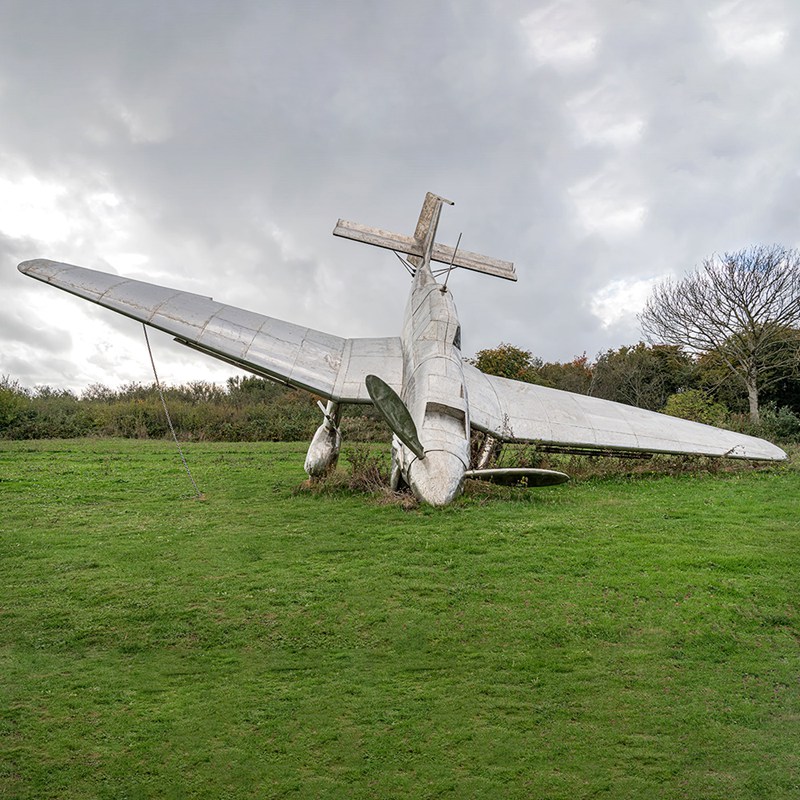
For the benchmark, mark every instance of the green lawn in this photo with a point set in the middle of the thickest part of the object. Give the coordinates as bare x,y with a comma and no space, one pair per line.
621,638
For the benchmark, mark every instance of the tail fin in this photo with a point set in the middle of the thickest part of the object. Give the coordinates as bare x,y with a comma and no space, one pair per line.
421,246
427,225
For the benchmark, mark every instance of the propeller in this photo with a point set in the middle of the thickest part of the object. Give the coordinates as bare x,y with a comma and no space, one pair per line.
519,476
394,411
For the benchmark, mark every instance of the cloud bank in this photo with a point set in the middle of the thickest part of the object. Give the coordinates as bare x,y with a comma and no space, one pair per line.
211,146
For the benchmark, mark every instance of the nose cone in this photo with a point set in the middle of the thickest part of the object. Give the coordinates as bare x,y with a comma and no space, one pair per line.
438,478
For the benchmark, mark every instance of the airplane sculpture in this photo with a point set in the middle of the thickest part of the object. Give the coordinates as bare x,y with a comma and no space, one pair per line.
430,397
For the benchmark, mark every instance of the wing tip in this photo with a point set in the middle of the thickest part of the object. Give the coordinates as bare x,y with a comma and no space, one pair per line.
774,453
34,266
755,449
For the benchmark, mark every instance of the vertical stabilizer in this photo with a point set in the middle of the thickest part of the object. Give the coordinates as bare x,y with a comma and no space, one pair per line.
427,224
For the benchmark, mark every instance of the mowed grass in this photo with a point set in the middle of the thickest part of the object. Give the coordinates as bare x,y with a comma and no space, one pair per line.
621,638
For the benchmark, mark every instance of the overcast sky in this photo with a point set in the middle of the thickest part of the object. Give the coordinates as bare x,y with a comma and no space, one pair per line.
211,146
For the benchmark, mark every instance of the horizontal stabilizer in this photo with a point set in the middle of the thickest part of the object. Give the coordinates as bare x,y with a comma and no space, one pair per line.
525,477
410,246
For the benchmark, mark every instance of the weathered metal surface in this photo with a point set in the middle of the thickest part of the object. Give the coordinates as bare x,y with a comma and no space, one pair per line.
323,452
427,224
440,253
362,357
433,388
487,452
392,409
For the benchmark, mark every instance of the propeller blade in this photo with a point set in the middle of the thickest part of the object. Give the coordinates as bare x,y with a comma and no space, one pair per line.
394,411
518,476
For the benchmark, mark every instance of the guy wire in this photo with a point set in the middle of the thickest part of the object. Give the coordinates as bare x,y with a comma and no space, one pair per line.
198,493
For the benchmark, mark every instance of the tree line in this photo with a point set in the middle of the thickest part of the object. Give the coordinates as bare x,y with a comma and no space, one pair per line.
656,377
659,377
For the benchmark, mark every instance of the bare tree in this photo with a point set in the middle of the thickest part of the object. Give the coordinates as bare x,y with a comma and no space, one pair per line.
642,375
744,306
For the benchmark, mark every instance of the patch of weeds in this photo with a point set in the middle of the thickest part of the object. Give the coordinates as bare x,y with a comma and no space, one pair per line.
367,472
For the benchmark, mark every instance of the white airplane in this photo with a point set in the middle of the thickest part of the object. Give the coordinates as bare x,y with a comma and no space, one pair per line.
430,397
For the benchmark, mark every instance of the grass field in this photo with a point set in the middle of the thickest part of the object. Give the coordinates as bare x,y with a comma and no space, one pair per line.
620,638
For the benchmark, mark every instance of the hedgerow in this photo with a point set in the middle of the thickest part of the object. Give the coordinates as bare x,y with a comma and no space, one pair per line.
246,409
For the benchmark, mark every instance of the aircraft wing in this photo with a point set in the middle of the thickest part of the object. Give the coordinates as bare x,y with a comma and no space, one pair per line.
329,366
513,411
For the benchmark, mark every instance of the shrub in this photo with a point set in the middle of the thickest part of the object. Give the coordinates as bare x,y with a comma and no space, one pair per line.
14,402
781,424
368,469
696,405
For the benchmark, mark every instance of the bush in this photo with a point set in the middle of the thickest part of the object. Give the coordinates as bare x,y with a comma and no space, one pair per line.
14,402
696,405
368,469
782,424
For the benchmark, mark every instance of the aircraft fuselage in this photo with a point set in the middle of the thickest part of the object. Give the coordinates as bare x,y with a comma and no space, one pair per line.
434,392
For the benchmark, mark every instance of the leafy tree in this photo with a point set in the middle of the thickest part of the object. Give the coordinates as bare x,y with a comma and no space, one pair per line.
642,375
508,361
780,424
715,379
784,393
572,376
741,305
